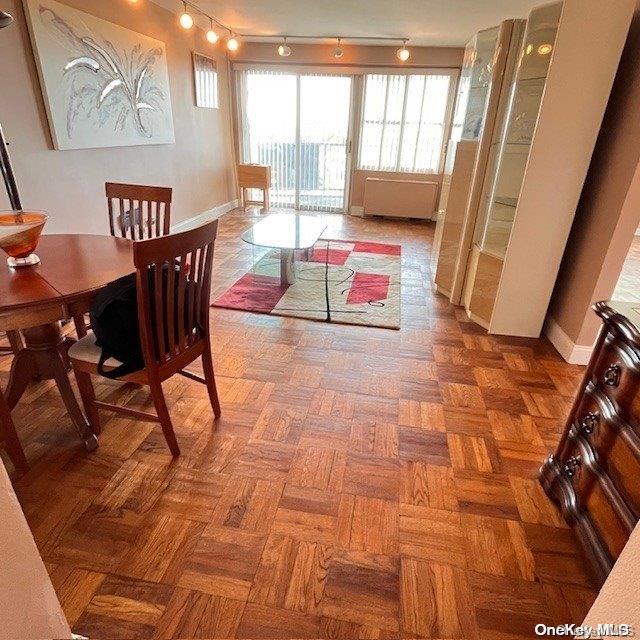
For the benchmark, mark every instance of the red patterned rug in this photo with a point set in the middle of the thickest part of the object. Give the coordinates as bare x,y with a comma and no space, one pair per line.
339,281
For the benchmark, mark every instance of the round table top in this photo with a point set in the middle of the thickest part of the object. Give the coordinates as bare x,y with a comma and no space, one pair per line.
71,267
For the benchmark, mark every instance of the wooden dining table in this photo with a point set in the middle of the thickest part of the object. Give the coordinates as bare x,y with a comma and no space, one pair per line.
36,300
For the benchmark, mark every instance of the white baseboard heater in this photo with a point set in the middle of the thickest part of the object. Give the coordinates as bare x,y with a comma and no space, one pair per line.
400,198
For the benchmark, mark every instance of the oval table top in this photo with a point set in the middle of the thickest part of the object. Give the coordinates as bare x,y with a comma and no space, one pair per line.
71,267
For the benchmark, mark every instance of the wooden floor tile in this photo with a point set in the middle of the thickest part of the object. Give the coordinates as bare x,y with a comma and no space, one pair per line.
428,486
474,453
497,546
123,608
317,468
508,608
160,550
259,621
222,563
371,476
75,589
192,614
363,588
368,524
431,534
292,575
423,446
308,514
436,601
485,494
247,503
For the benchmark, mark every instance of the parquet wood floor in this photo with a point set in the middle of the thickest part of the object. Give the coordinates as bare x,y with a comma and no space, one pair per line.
362,483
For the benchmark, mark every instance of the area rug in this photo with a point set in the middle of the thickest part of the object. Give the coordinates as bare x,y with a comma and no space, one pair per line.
338,281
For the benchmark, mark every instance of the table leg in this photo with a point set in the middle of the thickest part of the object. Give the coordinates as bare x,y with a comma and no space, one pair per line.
287,269
45,357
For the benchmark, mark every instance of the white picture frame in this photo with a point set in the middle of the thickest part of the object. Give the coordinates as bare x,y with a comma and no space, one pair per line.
205,77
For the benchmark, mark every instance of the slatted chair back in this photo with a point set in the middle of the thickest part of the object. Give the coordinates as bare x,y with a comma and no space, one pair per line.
138,212
174,291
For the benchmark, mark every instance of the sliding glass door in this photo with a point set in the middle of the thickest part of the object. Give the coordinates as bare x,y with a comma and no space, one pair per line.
299,124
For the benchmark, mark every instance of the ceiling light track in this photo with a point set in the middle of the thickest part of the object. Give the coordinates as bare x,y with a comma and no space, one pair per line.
187,21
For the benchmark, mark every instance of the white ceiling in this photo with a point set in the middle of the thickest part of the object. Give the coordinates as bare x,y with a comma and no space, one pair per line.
425,22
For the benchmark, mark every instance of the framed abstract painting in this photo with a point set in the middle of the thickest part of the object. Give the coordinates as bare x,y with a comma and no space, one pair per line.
103,85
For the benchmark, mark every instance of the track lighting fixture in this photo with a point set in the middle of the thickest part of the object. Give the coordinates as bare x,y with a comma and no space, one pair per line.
284,49
338,52
211,35
190,8
403,53
186,19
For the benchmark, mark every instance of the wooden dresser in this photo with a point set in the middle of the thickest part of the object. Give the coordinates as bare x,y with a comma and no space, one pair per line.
594,475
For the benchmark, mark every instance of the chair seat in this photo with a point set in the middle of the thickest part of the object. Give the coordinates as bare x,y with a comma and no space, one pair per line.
86,350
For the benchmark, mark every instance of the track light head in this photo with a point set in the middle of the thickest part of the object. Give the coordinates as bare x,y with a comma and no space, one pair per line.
403,53
338,52
186,19
284,49
211,34
232,43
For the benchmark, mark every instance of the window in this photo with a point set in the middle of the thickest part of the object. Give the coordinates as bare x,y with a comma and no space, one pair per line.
206,80
404,119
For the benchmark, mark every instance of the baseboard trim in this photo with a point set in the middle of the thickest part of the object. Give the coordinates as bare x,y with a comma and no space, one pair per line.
205,216
571,352
357,211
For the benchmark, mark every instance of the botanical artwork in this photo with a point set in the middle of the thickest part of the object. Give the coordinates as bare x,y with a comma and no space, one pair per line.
104,85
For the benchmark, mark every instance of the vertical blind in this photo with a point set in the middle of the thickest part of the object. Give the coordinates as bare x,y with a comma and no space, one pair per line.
404,119
268,101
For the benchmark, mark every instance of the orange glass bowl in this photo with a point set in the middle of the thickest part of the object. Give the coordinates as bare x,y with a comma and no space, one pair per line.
19,235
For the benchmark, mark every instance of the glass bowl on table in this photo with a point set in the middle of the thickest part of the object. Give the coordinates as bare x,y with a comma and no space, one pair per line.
19,236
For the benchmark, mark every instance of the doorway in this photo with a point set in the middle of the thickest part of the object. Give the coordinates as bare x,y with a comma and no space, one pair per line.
285,123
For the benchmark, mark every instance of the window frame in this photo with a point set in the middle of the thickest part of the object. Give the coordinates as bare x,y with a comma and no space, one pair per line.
454,77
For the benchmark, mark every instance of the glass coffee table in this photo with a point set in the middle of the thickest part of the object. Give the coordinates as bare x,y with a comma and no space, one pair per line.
287,232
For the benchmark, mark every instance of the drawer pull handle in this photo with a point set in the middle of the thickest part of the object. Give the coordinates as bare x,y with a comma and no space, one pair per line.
571,465
589,422
612,375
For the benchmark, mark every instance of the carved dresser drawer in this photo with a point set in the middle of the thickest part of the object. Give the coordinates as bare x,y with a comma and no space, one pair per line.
617,373
598,496
594,475
615,444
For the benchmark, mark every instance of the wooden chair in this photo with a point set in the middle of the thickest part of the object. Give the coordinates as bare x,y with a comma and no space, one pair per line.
170,340
9,438
138,212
